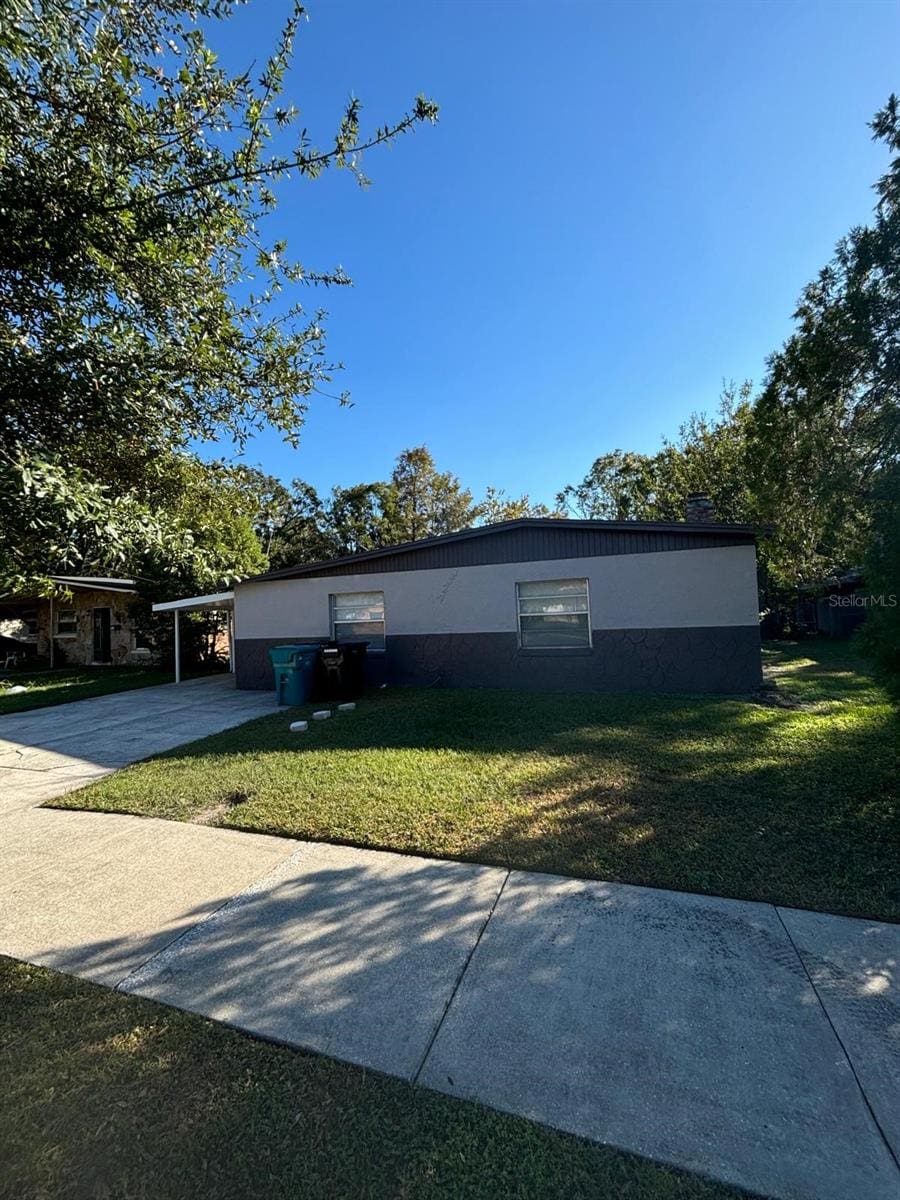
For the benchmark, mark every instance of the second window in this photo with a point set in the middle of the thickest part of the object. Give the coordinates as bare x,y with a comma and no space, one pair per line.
554,614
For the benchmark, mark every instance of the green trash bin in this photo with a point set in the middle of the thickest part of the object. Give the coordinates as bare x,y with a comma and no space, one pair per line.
294,667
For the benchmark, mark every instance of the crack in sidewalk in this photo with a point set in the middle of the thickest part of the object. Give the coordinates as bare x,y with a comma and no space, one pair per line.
459,978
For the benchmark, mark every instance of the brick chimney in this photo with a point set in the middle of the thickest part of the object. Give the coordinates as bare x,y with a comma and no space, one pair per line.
698,509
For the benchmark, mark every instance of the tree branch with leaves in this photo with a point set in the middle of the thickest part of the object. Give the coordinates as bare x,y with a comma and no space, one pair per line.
141,304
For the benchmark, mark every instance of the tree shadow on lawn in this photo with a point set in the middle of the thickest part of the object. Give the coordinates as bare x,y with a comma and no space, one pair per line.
696,794
717,797
782,812
821,670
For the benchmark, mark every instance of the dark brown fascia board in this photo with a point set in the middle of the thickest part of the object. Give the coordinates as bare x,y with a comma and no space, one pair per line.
711,527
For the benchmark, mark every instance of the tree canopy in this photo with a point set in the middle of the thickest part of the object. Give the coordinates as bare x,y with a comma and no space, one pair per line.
138,310
709,455
827,423
813,458
826,427
418,500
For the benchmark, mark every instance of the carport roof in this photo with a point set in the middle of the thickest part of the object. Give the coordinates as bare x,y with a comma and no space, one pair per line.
197,603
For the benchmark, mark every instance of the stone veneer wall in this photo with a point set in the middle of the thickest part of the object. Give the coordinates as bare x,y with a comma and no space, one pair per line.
79,648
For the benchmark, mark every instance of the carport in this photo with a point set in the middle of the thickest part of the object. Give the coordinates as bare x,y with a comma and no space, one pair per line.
216,600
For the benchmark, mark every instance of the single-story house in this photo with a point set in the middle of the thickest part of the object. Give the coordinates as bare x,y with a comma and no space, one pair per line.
87,623
540,603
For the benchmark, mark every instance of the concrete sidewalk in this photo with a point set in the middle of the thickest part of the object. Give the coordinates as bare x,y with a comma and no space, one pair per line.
49,751
755,1045
760,1046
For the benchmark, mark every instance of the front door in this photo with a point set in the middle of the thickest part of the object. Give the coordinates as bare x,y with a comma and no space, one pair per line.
102,645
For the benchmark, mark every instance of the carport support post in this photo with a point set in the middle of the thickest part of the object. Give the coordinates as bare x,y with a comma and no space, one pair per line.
177,648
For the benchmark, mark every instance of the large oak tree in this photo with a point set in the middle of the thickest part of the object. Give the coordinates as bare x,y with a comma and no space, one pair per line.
140,306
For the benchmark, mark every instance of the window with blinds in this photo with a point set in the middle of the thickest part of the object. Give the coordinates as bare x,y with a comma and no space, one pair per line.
554,614
358,617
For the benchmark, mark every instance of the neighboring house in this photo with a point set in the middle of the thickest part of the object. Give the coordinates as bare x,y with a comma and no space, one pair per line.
90,626
534,603
844,606
833,609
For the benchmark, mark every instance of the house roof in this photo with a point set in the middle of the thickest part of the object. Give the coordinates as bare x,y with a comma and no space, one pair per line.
103,583
531,535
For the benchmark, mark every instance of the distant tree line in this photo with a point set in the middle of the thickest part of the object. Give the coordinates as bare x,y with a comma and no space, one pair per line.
813,458
294,524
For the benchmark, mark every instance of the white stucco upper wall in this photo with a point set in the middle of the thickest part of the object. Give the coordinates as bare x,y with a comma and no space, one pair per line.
665,590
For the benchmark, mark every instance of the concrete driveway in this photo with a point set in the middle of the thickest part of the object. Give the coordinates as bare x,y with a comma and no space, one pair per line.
757,1045
50,751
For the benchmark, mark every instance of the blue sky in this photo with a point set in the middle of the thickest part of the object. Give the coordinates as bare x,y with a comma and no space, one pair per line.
617,210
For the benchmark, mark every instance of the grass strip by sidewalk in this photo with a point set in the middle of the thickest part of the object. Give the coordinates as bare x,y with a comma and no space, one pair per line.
106,1095
47,688
792,798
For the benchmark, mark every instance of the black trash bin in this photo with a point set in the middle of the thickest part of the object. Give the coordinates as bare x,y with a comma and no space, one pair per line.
341,672
355,667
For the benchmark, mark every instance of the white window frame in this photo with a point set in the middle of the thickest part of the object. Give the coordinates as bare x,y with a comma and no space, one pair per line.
332,623
66,633
588,645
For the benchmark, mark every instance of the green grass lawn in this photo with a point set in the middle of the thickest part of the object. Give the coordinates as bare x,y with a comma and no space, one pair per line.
794,805
75,683
106,1095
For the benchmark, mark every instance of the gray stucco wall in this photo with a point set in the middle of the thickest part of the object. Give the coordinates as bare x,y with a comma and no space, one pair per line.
666,590
668,621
